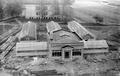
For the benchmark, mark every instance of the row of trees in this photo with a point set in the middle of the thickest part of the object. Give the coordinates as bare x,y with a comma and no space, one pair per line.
10,8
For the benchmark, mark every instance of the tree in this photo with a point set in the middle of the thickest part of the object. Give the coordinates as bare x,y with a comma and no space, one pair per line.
13,9
98,19
114,40
1,9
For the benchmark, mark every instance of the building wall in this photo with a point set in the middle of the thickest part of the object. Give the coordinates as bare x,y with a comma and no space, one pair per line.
36,11
53,7
75,51
32,53
30,11
95,50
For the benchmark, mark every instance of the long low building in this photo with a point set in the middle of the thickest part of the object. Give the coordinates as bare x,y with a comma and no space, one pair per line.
81,31
27,48
95,46
28,31
68,49
63,49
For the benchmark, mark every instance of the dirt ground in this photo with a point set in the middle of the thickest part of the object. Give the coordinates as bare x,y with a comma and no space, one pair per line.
77,67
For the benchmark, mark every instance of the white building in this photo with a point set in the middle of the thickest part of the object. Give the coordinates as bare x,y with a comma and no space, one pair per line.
95,47
81,31
62,45
29,11
31,48
28,32
43,8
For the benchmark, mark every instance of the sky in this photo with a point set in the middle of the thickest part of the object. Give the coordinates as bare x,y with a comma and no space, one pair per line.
95,2
86,9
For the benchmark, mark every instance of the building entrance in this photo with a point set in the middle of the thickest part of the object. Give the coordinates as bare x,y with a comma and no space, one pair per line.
67,54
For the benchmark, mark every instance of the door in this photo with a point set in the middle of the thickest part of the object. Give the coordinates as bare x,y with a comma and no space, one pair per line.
67,54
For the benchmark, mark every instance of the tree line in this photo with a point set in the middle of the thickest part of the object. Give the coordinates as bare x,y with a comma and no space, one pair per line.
9,8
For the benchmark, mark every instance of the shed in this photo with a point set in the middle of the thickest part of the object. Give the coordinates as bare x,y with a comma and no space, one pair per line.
31,48
81,31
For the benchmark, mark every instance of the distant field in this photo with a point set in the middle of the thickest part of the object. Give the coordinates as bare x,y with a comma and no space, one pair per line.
86,9
103,31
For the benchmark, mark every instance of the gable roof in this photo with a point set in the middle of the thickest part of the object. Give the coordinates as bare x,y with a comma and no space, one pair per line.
79,29
31,45
52,26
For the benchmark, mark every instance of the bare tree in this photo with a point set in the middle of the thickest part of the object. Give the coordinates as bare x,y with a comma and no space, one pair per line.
1,9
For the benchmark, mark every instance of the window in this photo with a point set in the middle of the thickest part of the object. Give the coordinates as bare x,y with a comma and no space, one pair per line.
56,53
37,13
32,51
95,48
76,49
76,52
